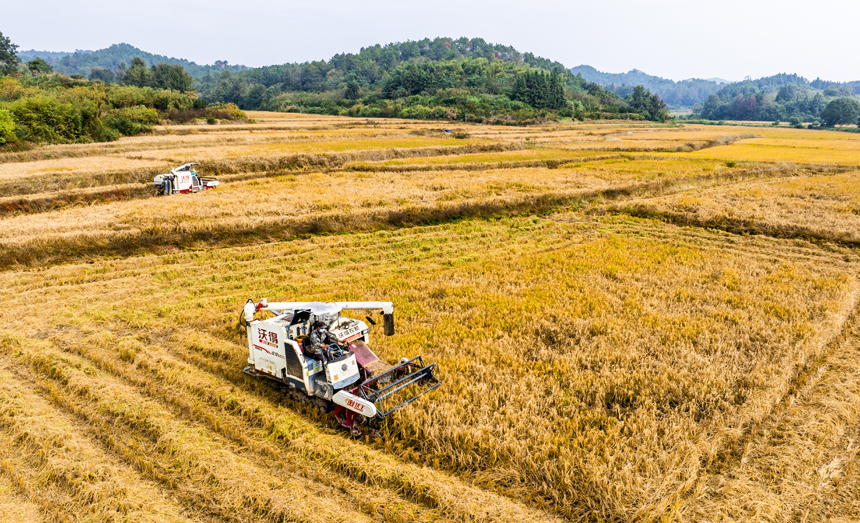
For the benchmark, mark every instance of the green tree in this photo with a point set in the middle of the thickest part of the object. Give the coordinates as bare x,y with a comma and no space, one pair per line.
538,88
711,108
521,89
651,106
842,111
37,65
638,99
556,91
105,75
657,109
8,55
173,77
787,93
353,90
137,74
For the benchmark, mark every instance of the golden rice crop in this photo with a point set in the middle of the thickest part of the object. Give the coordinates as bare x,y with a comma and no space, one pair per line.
547,397
338,201
801,463
542,154
818,206
76,166
16,507
316,147
57,463
594,367
790,145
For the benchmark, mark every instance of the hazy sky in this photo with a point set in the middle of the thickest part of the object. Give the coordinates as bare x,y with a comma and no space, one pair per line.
671,38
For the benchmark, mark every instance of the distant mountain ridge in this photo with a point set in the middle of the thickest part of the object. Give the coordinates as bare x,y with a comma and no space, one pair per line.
685,93
48,56
81,62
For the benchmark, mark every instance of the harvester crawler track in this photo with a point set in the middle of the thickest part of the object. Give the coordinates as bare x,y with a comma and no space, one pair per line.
292,393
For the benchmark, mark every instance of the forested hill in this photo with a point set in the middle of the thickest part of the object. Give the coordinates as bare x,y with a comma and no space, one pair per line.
112,58
447,78
370,64
784,97
676,94
438,78
52,57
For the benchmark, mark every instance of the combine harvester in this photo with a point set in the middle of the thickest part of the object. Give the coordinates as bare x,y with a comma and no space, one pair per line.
183,180
358,387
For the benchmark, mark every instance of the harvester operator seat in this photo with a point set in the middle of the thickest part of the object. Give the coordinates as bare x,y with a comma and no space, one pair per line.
306,340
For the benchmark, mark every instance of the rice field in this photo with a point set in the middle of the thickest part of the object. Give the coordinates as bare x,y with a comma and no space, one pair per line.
813,207
612,344
790,145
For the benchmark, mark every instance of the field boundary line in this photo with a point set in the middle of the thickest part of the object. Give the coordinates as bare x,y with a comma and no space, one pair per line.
740,226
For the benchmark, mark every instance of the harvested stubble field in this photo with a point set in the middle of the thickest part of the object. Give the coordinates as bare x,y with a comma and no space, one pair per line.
595,367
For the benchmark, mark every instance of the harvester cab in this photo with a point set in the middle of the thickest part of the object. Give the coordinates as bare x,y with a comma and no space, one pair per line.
354,383
183,180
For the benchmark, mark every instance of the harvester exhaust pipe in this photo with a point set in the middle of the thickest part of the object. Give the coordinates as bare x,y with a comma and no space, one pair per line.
388,324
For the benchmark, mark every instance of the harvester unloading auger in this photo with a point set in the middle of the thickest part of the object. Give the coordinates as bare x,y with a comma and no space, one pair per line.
358,387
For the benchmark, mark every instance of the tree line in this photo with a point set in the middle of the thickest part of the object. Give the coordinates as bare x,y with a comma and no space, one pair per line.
427,79
39,106
793,102
441,77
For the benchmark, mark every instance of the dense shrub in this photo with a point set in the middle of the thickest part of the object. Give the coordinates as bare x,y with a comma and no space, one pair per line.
7,127
131,121
46,119
210,114
11,89
57,109
223,111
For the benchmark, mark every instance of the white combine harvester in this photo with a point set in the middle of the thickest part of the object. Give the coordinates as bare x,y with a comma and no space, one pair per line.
183,180
360,389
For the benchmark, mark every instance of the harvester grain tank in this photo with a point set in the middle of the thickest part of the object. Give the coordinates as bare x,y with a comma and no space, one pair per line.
354,384
183,180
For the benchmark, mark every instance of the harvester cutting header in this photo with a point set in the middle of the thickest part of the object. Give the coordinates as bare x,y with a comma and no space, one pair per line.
323,358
